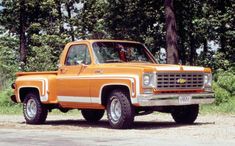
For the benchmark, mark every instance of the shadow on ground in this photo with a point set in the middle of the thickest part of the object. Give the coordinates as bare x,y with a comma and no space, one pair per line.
149,125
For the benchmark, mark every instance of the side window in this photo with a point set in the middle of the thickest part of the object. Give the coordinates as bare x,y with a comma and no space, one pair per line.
78,54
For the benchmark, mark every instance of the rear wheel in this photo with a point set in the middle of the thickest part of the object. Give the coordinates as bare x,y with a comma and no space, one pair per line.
92,115
34,111
119,110
185,114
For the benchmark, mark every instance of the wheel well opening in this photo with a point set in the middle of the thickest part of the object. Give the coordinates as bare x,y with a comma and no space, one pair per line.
107,90
24,91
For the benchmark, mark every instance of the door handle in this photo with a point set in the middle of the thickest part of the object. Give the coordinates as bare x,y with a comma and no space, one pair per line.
98,71
63,70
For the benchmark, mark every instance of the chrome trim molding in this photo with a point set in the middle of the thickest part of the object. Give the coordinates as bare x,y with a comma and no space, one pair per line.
173,99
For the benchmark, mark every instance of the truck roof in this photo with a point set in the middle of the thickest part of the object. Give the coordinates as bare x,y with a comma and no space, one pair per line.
105,40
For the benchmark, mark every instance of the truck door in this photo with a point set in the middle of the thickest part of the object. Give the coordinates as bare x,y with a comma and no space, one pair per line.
73,86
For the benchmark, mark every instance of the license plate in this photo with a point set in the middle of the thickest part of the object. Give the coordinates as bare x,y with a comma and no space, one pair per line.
185,99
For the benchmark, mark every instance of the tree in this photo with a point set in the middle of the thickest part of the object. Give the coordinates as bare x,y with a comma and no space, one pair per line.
44,26
8,57
22,31
14,18
215,23
93,19
171,36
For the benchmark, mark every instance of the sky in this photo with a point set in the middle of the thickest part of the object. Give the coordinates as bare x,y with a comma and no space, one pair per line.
1,8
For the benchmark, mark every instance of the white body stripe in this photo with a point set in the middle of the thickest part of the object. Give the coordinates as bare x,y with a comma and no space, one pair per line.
44,96
168,68
95,100
193,68
177,68
85,99
74,99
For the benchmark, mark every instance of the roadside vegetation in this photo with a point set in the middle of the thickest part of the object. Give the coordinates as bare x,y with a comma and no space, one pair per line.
6,105
224,88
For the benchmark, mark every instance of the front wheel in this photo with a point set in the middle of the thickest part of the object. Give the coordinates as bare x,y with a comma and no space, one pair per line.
119,110
34,111
185,114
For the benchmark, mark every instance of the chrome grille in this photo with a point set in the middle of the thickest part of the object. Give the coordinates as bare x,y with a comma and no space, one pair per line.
169,81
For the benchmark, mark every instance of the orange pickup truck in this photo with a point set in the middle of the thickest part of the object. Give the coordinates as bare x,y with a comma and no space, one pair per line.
121,77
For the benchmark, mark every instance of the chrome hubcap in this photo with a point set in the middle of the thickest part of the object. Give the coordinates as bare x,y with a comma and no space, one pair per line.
31,108
115,110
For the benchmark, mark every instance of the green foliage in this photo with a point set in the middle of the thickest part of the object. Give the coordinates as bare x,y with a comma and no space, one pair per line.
40,60
215,60
224,85
5,97
93,19
221,94
227,81
215,23
6,105
222,108
8,59
137,20
198,22
44,52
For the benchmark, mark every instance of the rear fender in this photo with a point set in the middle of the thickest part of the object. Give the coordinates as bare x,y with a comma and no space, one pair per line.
31,85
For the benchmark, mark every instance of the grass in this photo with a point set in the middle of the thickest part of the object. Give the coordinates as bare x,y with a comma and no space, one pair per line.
10,110
223,108
6,105
17,109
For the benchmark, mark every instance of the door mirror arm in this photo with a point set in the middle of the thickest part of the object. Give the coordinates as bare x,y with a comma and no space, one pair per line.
83,67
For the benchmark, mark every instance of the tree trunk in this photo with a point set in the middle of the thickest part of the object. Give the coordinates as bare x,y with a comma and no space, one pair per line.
192,42
171,36
181,32
221,6
58,7
23,49
192,50
205,48
83,20
69,19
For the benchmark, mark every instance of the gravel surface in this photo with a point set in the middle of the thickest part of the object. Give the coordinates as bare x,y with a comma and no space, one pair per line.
154,129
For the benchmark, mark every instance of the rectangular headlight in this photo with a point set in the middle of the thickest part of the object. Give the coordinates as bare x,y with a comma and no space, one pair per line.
149,80
208,81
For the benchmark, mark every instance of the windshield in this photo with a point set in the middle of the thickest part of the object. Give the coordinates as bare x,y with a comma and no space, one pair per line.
111,52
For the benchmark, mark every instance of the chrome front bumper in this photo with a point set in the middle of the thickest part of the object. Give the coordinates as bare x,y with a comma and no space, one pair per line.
175,99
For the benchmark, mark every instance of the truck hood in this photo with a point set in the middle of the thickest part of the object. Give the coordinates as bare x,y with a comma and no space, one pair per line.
156,67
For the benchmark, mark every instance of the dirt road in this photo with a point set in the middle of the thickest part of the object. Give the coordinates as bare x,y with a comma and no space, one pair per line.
148,130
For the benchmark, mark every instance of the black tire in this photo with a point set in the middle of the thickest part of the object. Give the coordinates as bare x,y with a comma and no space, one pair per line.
126,115
185,114
92,115
40,114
